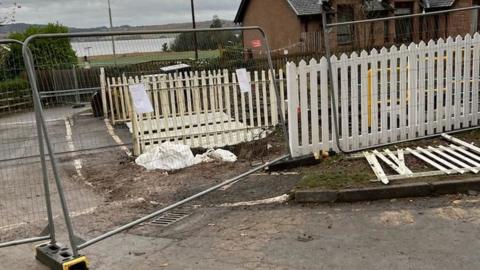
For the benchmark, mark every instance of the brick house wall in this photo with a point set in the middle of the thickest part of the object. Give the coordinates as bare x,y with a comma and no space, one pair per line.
276,18
284,28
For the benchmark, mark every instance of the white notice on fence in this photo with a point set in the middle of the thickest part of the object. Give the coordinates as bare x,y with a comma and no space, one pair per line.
243,81
140,98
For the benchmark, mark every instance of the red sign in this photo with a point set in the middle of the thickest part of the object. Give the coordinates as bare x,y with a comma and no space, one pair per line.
256,43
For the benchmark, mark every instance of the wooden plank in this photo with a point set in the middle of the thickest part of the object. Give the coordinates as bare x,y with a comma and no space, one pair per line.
244,106
394,166
273,99
188,90
344,116
110,99
265,98
336,106
400,111
221,107
228,100
455,160
364,99
400,161
394,68
235,101
314,107
376,167
282,92
475,78
429,161
122,108
458,155
449,87
441,160
412,91
422,105
355,101
257,99
324,105
469,146
440,87
197,101
383,92
431,77
466,81
104,89
457,106
180,95
205,95
293,102
465,152
213,104
304,106
374,97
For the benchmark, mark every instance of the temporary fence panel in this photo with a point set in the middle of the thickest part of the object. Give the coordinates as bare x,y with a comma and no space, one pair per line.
192,85
23,195
203,109
385,96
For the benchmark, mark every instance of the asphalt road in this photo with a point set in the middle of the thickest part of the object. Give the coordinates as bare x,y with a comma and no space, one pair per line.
22,200
431,233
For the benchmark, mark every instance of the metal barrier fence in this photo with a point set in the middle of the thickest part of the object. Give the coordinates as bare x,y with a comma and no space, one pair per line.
25,203
369,97
97,164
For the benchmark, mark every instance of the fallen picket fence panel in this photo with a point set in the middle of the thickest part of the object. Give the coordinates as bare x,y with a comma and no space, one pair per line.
200,109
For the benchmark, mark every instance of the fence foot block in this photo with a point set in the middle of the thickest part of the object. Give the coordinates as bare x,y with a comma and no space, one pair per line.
58,257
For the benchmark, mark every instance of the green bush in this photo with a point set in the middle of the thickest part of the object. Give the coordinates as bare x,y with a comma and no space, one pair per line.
15,87
49,53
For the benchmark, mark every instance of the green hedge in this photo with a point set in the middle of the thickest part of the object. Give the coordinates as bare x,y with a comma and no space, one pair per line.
15,88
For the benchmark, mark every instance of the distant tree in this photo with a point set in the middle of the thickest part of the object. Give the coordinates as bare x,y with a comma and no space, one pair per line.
165,47
205,40
47,53
216,22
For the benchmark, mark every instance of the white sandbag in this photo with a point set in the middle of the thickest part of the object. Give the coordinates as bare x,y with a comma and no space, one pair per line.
218,154
223,155
166,156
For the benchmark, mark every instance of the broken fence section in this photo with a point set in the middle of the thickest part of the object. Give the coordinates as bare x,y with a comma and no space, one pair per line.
459,157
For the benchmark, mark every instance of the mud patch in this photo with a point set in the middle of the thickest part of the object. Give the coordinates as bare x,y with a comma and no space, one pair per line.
395,218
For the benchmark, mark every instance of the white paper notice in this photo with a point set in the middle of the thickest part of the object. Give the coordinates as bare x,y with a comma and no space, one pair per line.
243,81
140,98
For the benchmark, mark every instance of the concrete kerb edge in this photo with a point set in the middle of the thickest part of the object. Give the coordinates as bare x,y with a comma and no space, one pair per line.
417,189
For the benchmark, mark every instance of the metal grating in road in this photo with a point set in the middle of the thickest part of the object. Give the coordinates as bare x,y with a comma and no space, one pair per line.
171,217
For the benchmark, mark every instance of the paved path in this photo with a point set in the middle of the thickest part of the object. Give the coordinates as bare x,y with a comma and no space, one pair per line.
436,233
22,198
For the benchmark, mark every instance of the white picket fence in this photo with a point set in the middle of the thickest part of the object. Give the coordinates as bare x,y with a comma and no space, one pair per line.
384,96
200,109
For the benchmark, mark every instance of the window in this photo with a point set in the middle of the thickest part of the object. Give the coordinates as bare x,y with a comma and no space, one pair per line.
345,32
403,27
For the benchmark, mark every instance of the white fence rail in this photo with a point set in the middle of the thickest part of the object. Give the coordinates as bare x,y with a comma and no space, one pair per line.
200,109
384,96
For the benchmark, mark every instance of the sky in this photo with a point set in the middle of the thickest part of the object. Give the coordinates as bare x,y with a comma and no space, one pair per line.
93,13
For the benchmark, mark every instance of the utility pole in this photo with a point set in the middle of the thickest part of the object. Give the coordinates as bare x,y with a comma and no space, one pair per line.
113,38
194,33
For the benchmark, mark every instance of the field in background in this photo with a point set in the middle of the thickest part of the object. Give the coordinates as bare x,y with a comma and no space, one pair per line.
135,58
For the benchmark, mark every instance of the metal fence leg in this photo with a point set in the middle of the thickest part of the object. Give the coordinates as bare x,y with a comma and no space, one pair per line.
39,111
